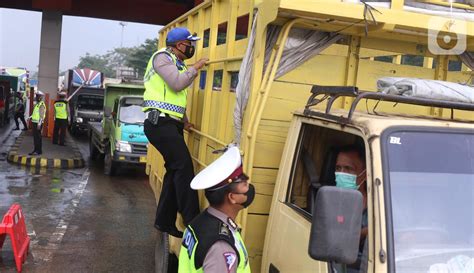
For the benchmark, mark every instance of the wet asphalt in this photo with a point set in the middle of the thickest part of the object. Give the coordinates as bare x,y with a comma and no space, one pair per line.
79,220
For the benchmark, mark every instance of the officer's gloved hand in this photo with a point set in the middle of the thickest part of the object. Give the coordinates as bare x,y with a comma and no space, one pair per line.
188,126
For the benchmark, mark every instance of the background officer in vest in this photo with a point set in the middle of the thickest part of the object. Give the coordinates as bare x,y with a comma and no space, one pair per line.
166,80
60,119
37,119
20,112
212,241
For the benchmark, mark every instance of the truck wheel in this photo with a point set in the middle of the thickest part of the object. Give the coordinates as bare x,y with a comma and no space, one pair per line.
161,252
110,167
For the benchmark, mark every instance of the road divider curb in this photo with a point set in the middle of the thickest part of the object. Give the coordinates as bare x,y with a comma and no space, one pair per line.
43,162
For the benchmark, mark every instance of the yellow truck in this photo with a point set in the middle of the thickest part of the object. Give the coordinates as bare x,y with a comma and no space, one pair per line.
285,81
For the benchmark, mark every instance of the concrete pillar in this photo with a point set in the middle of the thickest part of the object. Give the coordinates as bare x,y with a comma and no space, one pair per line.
50,47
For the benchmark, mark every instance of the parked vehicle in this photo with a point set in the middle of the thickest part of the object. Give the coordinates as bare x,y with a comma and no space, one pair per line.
85,93
120,138
8,85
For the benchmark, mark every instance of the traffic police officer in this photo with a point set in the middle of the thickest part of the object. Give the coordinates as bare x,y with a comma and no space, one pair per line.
37,118
212,241
20,112
60,119
166,80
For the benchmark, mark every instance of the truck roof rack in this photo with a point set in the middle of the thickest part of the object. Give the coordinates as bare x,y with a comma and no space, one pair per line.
331,93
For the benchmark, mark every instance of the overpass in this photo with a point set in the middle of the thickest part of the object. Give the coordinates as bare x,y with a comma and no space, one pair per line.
158,12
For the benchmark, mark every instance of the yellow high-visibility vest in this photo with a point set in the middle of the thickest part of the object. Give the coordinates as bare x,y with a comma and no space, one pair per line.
158,95
35,117
60,110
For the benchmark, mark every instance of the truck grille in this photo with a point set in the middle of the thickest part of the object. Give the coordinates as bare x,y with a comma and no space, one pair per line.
139,148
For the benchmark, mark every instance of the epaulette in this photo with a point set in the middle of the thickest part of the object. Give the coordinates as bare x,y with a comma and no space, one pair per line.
224,230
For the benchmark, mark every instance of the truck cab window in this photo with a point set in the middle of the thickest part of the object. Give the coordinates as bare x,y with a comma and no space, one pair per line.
327,157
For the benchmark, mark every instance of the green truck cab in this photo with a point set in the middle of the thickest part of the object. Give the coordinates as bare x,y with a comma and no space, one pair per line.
120,138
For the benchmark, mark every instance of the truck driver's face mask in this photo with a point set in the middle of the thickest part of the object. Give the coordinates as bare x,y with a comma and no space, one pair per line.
347,180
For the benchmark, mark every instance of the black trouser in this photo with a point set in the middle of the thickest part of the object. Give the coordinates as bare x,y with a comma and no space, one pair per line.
20,116
37,138
176,194
60,126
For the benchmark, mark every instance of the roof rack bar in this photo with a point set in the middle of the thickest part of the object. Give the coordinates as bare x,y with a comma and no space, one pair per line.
333,92
409,100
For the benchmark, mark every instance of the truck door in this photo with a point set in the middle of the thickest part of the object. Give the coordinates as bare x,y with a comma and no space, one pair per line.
308,162
114,123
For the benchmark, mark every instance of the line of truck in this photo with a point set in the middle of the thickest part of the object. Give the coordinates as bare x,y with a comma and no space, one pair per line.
110,114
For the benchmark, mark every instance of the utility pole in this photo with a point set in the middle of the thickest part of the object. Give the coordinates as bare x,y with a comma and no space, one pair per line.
123,24
117,72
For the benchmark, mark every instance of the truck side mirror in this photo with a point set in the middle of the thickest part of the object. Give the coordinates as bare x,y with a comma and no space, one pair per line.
336,225
107,112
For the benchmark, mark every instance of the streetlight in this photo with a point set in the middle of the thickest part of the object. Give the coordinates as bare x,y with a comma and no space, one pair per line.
123,24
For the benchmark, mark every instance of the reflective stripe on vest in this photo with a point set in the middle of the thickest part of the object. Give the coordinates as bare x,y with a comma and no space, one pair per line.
60,110
187,255
158,94
35,117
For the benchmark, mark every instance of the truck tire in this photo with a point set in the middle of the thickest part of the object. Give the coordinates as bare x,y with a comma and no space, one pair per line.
161,252
110,167
93,151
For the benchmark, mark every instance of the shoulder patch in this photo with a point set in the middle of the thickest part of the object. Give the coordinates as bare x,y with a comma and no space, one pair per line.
230,259
189,241
224,230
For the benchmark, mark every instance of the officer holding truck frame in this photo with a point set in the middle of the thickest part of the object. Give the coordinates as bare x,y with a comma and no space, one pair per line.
166,80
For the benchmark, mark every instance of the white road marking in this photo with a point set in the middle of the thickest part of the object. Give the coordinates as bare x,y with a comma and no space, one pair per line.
45,252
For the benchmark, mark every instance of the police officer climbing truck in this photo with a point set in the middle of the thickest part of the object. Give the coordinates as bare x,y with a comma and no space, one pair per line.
166,81
212,242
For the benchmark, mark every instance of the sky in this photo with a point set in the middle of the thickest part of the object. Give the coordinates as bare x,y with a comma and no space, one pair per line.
20,33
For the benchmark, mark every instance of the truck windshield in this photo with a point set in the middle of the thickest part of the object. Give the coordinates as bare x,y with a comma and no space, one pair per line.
131,114
432,199
90,102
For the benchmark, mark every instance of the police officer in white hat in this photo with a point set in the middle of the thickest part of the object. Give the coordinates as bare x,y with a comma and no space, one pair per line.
37,119
212,241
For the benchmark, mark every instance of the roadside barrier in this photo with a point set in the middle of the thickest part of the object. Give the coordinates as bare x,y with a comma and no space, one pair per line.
13,224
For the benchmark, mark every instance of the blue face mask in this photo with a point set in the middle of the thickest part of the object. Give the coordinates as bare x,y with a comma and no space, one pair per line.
346,180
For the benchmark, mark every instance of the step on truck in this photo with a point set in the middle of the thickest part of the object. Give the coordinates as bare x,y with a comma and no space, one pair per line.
119,139
267,58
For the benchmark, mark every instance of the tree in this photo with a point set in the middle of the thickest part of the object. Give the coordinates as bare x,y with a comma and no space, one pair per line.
140,55
134,57
97,62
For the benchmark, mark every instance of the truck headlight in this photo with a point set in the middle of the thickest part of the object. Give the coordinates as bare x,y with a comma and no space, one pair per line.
123,146
79,120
